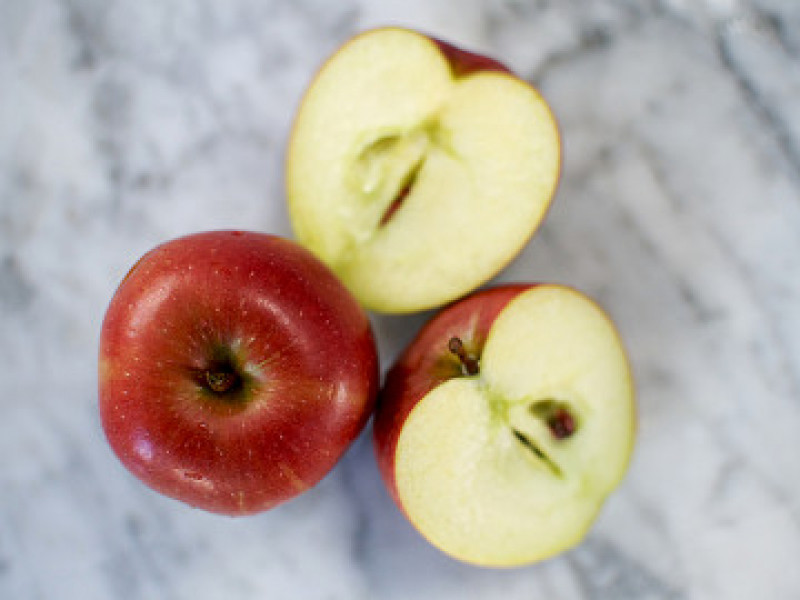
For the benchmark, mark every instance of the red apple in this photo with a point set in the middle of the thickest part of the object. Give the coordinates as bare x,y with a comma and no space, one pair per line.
234,370
506,423
404,147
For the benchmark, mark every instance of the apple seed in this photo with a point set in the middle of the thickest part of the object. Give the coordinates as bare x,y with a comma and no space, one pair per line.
561,424
557,416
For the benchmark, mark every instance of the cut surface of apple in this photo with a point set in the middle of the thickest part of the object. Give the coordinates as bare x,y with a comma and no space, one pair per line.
511,464
417,171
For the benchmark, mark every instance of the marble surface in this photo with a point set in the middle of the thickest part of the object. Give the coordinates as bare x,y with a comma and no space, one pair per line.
125,123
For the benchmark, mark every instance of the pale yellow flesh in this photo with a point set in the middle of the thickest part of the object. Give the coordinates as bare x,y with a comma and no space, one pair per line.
485,149
464,479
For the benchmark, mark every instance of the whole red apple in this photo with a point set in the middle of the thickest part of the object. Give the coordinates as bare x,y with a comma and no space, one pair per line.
506,423
234,370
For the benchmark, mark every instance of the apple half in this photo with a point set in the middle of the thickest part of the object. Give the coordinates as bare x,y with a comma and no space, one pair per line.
506,423
417,170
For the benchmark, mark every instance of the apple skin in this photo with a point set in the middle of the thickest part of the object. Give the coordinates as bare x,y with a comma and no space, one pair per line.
427,362
277,320
463,62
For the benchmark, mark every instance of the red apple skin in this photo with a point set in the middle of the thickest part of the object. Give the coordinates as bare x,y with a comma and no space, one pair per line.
427,362
463,62
273,312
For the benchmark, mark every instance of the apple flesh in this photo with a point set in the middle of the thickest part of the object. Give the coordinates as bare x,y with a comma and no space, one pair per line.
234,370
506,423
417,170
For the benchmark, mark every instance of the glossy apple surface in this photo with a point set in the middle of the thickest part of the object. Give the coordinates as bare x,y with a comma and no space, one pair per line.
417,170
234,370
506,423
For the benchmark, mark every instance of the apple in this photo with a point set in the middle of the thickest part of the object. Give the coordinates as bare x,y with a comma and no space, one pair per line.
505,424
417,170
234,370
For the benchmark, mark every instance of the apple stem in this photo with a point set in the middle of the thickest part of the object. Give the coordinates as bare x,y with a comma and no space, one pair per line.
561,423
469,364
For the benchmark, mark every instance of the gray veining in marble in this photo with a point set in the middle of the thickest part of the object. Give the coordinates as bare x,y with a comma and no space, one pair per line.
124,123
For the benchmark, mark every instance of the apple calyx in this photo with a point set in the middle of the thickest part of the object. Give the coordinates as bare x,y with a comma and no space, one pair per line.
220,379
470,365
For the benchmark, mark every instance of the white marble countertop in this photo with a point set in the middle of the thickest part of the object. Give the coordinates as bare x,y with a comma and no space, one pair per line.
126,123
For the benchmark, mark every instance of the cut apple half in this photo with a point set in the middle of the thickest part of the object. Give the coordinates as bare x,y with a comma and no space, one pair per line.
508,461
416,171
